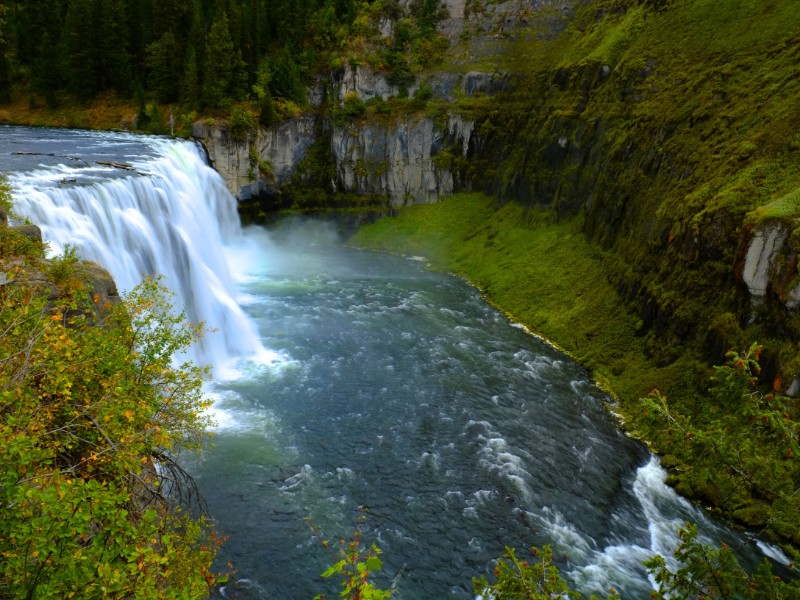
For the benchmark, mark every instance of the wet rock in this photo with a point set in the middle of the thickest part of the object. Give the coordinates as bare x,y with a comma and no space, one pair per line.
29,231
763,249
477,82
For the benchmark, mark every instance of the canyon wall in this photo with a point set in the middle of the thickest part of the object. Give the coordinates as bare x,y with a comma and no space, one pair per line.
679,167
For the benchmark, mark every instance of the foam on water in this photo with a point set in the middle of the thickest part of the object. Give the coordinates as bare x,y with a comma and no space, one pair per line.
774,553
177,221
621,564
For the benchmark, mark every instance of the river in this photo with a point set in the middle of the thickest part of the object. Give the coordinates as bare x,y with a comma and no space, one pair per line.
347,379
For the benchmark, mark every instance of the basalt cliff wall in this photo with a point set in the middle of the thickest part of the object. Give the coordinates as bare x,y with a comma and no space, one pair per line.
395,160
679,156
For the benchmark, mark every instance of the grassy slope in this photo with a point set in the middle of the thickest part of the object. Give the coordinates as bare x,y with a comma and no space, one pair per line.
699,141
544,274
105,112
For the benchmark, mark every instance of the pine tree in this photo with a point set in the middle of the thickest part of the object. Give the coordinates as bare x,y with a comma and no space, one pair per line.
139,18
113,59
3,11
5,82
220,59
170,16
263,95
164,68
81,69
46,71
286,81
190,83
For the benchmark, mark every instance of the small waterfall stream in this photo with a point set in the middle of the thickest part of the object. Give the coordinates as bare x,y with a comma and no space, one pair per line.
396,387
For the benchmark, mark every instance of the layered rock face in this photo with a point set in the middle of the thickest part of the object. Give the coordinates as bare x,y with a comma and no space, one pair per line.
770,265
395,158
396,161
607,135
399,162
262,160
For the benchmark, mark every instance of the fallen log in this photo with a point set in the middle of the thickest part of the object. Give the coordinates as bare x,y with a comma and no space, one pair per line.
116,165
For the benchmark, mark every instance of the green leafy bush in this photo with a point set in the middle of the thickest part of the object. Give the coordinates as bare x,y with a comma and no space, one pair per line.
90,417
354,562
703,571
62,268
743,443
243,119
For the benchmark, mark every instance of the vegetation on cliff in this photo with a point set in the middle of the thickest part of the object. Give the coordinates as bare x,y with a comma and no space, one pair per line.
634,155
154,65
664,132
92,412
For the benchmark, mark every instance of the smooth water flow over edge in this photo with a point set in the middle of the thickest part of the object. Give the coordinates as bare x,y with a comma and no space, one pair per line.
172,220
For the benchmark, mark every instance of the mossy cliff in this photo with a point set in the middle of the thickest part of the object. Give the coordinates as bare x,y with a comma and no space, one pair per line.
670,131
641,166
643,172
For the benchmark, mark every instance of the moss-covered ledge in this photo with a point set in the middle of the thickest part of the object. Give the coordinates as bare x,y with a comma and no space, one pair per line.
548,276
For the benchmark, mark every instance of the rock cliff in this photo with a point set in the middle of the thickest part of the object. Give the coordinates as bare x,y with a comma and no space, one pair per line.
679,165
259,161
405,159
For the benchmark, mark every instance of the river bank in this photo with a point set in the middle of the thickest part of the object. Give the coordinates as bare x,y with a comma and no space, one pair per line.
548,276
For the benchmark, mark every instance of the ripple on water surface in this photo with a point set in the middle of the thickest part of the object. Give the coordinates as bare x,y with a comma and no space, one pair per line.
460,433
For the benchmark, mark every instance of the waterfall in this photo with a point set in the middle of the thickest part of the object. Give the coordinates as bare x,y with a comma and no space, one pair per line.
172,217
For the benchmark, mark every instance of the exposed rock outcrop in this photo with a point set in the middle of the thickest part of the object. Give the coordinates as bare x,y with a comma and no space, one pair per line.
262,160
408,161
770,265
366,84
764,247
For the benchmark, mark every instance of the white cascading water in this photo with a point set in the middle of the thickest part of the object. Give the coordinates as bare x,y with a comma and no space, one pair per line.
174,219
664,512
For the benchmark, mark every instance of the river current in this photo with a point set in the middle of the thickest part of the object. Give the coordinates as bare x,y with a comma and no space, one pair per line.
352,383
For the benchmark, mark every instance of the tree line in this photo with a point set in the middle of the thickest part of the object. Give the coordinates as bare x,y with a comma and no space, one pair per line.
201,54
199,51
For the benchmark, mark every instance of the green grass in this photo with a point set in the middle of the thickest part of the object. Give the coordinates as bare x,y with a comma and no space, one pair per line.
688,142
545,275
785,207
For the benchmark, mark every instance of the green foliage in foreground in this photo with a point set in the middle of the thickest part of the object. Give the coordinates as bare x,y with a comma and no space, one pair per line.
696,571
538,579
704,572
90,405
743,444
354,562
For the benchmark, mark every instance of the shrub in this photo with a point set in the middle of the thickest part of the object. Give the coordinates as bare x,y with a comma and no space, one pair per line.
243,119
90,417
